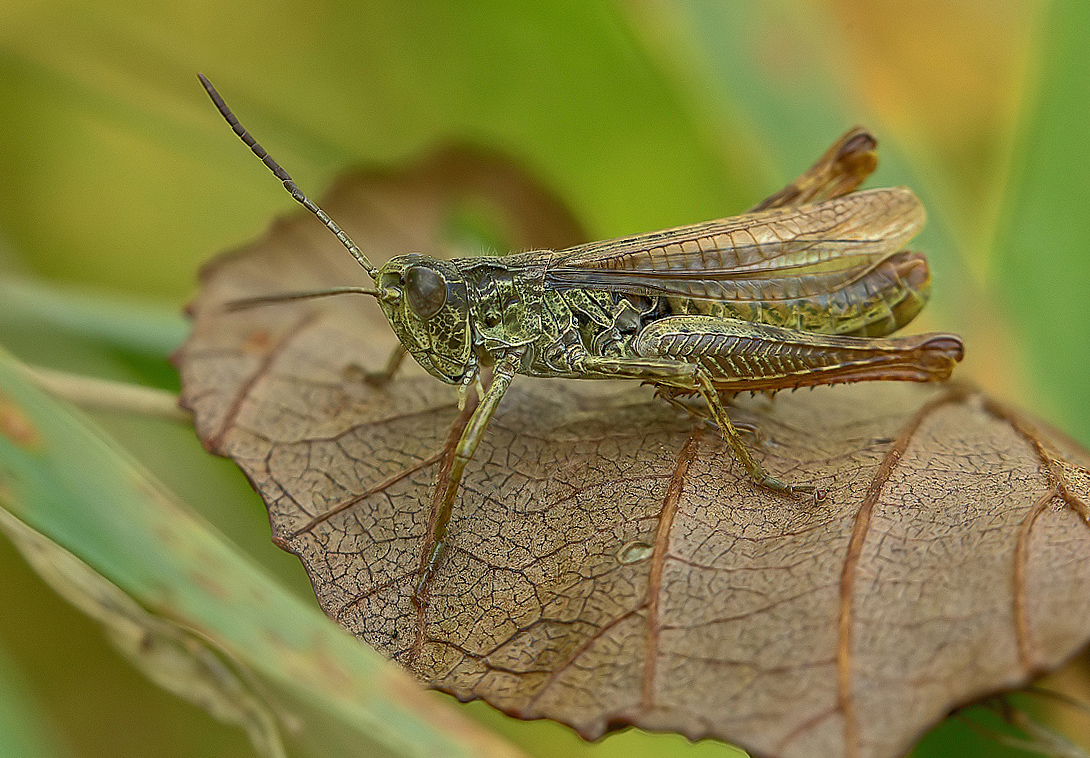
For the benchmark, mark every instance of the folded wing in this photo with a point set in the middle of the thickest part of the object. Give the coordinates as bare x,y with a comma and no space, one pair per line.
781,254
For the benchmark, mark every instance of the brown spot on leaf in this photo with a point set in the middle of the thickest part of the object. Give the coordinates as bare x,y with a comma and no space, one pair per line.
257,342
16,425
210,584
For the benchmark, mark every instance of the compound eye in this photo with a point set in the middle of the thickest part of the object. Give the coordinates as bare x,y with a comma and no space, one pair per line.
427,291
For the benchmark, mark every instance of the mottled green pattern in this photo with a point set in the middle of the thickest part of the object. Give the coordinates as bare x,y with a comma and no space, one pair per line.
493,305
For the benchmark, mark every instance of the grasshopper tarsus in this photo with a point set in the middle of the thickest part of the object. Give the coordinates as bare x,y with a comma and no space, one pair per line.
430,565
751,429
420,587
795,491
815,493
379,379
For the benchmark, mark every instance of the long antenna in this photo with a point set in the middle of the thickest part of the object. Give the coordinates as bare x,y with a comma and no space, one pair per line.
284,297
283,176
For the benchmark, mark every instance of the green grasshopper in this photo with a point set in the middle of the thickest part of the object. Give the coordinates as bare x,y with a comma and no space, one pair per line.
797,292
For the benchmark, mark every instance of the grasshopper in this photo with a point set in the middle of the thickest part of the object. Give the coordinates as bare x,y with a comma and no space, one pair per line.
799,291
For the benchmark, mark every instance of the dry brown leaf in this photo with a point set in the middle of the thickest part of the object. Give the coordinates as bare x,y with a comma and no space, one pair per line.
611,563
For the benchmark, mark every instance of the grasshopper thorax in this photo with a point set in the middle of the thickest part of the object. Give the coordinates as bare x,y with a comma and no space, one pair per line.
426,303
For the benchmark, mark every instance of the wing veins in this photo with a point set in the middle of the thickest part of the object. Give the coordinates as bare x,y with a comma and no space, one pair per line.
796,236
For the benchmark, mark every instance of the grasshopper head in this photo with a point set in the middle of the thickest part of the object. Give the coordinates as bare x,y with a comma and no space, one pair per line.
425,301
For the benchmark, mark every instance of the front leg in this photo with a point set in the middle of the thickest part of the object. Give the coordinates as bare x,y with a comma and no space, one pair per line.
463,454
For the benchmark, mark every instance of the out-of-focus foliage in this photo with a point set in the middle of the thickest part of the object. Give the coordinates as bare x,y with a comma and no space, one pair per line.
119,175
23,730
1041,265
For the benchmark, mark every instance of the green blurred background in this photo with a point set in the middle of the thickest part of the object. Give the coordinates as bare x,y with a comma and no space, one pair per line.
119,179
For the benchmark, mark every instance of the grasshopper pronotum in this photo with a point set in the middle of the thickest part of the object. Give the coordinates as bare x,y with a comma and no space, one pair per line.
797,292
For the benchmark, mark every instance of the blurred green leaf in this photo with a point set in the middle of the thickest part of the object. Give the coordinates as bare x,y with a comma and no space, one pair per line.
773,70
66,491
169,655
764,67
24,731
1042,265
137,327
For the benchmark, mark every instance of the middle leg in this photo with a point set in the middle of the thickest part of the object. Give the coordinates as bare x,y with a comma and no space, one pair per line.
692,377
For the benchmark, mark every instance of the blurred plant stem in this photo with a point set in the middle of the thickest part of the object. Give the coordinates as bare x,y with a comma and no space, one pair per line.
91,393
